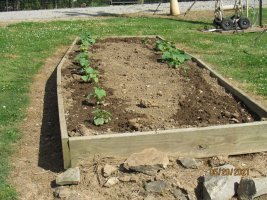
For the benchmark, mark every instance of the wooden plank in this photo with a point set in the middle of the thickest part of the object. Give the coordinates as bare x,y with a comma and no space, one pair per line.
62,120
193,142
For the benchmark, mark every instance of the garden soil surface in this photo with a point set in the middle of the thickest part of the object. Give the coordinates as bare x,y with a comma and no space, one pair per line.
144,94
38,159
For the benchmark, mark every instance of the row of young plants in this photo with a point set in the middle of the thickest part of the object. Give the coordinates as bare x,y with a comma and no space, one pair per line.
91,75
170,54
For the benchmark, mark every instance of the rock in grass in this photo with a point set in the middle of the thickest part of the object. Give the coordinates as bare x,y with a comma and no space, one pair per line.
111,181
70,177
190,163
156,186
149,161
108,170
251,188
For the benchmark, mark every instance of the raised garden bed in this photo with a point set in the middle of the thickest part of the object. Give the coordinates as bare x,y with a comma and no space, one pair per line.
188,111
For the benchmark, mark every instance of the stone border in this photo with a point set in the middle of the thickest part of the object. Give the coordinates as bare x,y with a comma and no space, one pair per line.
209,141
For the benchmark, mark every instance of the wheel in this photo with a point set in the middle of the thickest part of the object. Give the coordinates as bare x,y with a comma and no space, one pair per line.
243,23
227,24
217,23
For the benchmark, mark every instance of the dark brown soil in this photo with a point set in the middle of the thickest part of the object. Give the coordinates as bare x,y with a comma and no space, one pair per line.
144,94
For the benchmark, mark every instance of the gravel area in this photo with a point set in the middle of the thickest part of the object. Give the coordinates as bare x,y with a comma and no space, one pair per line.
103,11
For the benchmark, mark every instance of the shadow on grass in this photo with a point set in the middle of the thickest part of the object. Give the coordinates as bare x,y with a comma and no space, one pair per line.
79,14
50,152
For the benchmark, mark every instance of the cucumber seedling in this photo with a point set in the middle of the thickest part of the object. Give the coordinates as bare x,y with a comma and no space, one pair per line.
83,59
101,117
162,45
87,39
175,57
98,94
90,75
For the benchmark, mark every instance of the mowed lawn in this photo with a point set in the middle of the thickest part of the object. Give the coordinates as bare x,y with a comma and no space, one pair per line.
25,46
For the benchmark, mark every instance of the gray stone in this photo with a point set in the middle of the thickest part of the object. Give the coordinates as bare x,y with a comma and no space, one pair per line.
61,192
149,161
70,177
251,188
111,181
108,170
219,187
179,194
190,163
156,186
246,189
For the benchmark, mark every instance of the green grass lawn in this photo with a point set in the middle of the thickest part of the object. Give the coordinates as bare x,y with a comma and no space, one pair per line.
25,46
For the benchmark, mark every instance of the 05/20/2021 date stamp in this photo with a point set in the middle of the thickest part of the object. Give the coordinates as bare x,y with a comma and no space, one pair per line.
229,172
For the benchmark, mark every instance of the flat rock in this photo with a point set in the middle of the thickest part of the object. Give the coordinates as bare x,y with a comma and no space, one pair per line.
70,177
219,187
111,181
251,188
108,170
156,186
149,161
190,163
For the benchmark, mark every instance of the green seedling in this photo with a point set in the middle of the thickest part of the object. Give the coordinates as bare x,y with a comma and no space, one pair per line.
99,94
83,59
82,55
162,45
84,47
86,39
101,117
90,75
175,57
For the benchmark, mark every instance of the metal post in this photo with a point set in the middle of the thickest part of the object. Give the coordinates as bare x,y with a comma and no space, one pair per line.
247,7
6,5
260,13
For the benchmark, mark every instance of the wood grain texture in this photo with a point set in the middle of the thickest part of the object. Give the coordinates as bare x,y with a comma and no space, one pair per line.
192,142
62,120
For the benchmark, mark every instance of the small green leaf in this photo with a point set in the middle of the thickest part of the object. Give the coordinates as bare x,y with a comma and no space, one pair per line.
85,78
99,121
